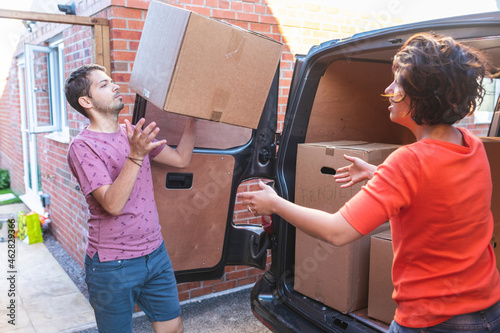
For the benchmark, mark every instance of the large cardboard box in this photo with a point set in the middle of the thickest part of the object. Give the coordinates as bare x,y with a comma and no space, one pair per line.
335,276
492,147
316,164
193,65
381,306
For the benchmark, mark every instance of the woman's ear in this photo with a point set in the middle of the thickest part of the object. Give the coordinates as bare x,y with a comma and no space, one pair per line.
85,102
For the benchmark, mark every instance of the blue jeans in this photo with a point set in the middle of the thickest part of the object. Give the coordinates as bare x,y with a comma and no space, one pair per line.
115,286
483,321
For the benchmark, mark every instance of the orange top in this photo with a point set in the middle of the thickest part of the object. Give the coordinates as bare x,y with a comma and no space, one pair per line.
437,196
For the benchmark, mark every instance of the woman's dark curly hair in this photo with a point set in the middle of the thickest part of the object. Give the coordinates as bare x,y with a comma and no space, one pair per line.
442,78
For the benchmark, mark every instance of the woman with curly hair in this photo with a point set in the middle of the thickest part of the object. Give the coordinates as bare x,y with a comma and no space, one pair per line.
436,193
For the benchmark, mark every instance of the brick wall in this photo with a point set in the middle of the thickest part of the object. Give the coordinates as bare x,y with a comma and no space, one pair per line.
298,24
477,129
68,207
11,157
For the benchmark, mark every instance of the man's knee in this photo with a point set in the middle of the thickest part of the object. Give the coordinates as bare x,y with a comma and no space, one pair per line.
170,326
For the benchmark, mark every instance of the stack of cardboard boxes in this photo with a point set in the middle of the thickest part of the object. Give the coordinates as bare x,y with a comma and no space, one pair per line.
334,276
357,275
492,147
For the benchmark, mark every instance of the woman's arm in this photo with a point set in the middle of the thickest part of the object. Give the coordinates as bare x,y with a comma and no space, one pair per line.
332,228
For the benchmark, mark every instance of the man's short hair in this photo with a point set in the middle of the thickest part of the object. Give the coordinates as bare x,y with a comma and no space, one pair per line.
442,78
78,85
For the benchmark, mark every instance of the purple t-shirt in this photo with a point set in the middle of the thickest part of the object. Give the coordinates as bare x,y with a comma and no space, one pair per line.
96,159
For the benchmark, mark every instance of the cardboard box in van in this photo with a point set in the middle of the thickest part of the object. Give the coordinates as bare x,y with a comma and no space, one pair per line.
318,162
381,306
193,65
492,147
335,276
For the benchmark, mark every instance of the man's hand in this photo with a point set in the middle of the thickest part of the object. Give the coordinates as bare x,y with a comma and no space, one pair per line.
141,140
358,171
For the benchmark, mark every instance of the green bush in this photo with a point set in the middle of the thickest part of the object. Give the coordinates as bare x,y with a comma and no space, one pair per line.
4,179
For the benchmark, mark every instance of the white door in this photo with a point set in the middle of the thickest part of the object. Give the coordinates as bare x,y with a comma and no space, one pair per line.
38,114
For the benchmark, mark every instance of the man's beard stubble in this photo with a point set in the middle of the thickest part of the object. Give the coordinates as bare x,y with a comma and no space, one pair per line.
109,110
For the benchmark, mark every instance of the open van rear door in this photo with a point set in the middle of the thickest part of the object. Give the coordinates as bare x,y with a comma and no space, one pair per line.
196,205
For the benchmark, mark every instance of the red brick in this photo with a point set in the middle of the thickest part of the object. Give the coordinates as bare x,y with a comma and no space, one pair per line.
135,24
142,4
123,55
224,286
269,19
246,281
247,17
116,23
254,271
248,8
200,292
258,27
200,10
187,286
241,24
236,275
240,216
125,34
210,283
183,296
229,269
236,6
224,4
120,77
126,13
118,44
223,14
133,46
260,9
212,3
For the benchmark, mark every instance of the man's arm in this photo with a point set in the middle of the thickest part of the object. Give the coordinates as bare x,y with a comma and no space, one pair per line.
114,197
181,156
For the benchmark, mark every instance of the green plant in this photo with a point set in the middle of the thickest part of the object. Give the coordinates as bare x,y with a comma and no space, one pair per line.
4,179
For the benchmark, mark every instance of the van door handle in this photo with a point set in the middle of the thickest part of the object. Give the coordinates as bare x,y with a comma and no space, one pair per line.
179,180
263,249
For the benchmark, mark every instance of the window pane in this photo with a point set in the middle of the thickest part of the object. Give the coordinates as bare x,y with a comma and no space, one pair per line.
41,71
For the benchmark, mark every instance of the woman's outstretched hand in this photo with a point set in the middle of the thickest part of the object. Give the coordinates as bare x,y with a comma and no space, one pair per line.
261,202
358,171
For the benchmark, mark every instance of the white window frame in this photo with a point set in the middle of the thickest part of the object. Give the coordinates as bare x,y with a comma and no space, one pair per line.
482,116
58,130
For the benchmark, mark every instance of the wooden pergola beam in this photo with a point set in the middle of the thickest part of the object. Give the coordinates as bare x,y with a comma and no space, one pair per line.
53,18
100,30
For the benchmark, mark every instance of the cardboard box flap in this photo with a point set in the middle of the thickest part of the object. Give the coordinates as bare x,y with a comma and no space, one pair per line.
153,81
373,152
335,144
252,32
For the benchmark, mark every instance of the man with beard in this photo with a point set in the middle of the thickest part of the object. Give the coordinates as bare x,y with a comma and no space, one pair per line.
126,261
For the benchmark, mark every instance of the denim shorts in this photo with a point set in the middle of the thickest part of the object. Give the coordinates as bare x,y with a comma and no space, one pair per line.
483,321
115,286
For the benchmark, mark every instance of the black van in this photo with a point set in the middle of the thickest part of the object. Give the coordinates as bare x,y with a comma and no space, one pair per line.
334,95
